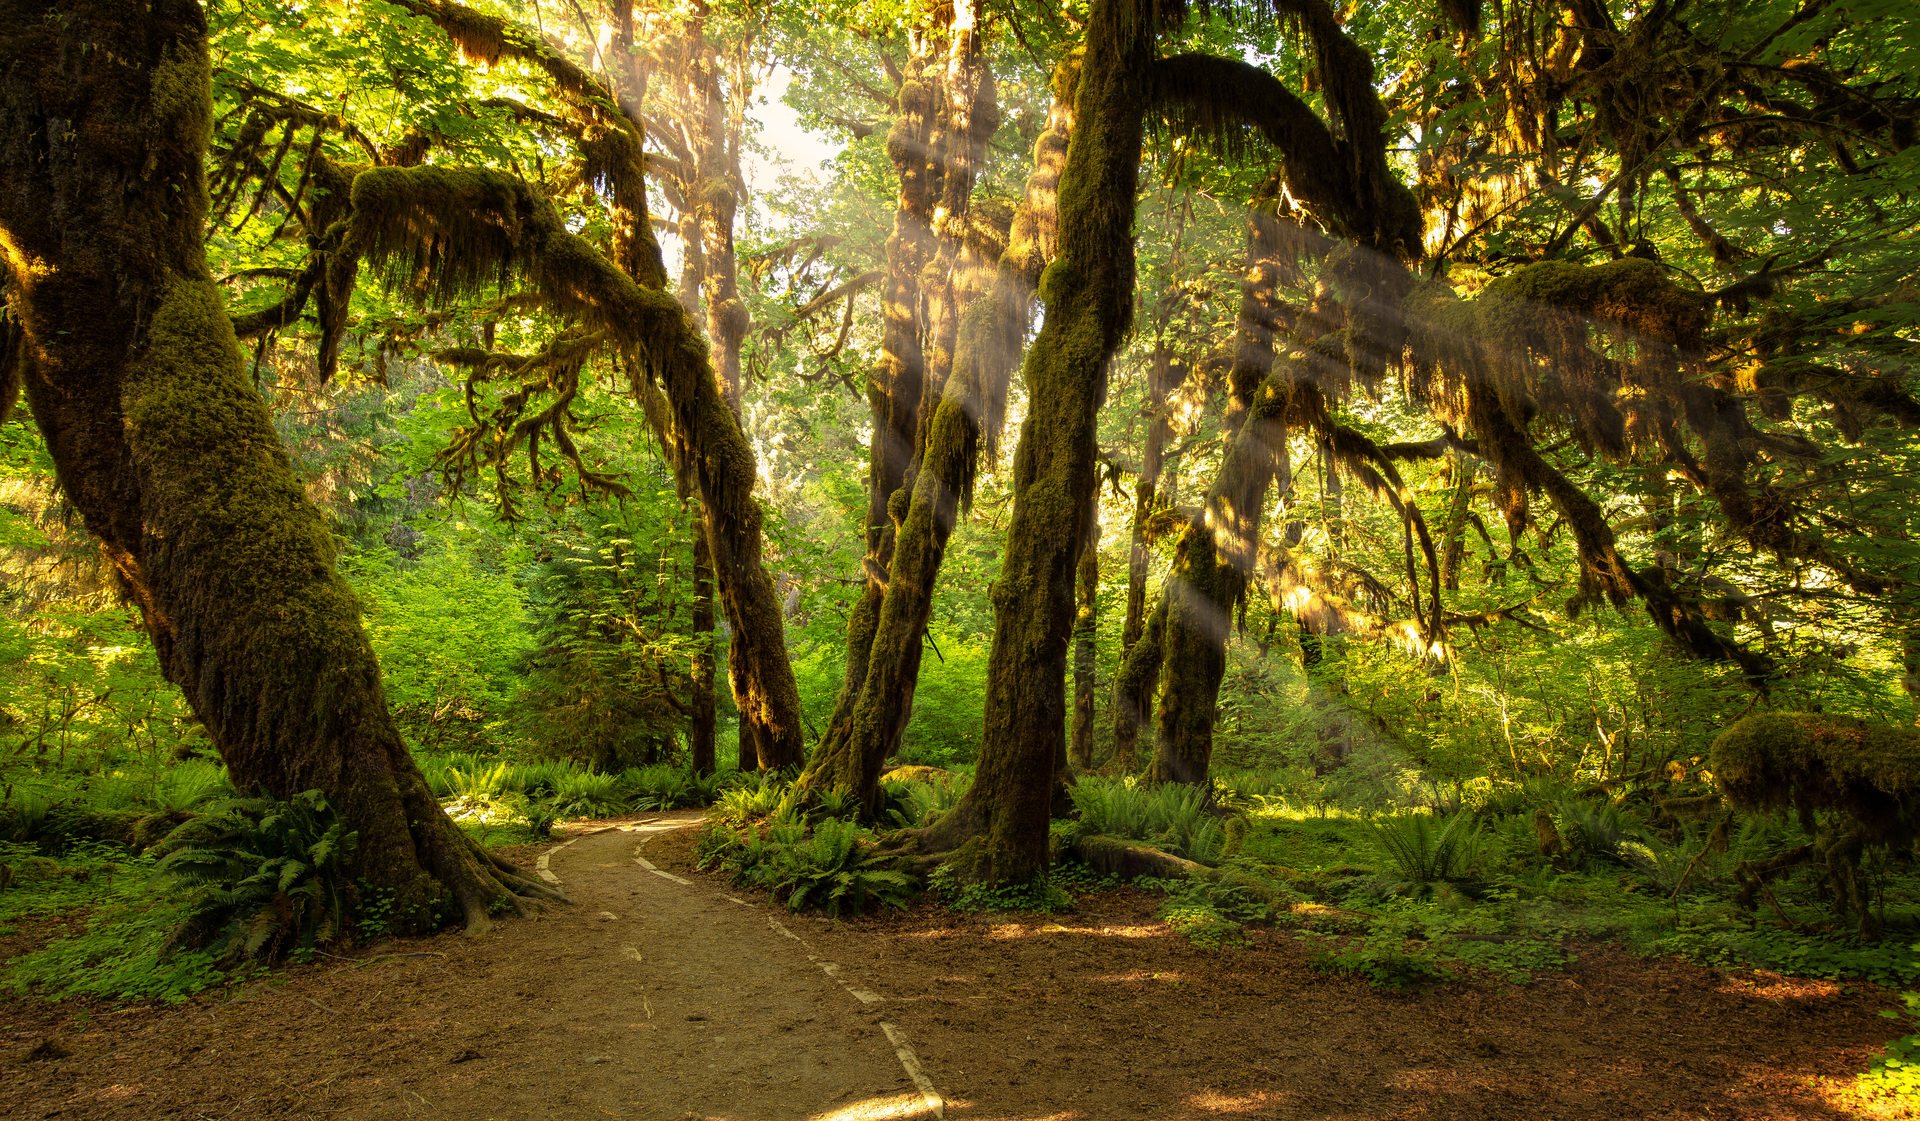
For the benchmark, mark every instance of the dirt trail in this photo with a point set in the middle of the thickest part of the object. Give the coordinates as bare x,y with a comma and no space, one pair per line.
650,998
661,998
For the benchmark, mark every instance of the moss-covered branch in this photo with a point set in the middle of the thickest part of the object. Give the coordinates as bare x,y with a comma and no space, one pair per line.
445,232
163,444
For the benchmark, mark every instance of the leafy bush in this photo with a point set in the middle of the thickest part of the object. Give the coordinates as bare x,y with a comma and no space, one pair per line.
588,794
832,869
1428,855
261,876
1173,815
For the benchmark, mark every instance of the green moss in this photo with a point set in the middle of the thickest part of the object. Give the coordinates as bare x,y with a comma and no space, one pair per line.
1811,761
1633,292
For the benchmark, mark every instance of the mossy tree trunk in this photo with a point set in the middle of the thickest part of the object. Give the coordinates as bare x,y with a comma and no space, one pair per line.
464,228
1453,547
460,230
704,89
898,380
162,444
961,426
1086,625
1216,554
701,720
998,831
1133,692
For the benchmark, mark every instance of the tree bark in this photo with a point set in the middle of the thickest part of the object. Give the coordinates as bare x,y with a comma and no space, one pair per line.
899,380
164,447
701,720
974,396
1086,624
998,831
1217,554
1133,694
1453,547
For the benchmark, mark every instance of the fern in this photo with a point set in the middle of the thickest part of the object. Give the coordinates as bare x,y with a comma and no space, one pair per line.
261,877
831,869
1427,855
1174,816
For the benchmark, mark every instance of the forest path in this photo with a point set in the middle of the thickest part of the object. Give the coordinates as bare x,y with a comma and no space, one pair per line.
659,997
666,999
651,998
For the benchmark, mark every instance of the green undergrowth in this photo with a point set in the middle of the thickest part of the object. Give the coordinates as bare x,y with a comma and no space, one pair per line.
1041,895
505,802
1896,1075
1505,911
826,864
247,883
1418,897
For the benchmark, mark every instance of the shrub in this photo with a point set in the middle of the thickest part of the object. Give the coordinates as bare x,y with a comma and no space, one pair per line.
261,876
1174,816
1425,854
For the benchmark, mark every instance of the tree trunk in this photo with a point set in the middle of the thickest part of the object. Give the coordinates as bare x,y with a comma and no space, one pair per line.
1453,546
957,274
1132,695
899,380
470,227
1000,826
1086,623
974,396
162,444
1134,686
1216,555
700,721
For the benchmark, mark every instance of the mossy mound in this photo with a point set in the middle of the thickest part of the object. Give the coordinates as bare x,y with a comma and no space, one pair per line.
916,773
1811,761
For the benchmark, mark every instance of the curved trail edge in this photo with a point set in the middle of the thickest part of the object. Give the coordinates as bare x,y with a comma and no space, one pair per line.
931,1103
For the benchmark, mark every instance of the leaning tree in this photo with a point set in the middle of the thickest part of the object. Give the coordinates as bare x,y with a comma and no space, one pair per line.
131,368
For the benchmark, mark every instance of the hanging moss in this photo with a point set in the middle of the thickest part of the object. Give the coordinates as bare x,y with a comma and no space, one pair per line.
1632,292
1864,777
166,449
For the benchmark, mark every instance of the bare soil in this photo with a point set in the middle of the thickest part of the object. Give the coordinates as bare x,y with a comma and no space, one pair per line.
656,999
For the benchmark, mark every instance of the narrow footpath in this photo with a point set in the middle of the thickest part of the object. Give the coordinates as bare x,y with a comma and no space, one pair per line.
652,998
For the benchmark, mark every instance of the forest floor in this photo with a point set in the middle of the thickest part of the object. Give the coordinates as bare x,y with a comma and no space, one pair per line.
664,994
